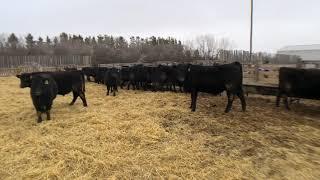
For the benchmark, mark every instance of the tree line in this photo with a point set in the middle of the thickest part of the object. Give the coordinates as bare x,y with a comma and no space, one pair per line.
104,48
115,49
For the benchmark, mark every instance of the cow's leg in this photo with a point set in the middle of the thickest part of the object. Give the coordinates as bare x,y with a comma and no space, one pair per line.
121,84
140,85
170,87
83,98
129,85
286,103
39,120
180,87
194,95
242,99
108,90
230,101
48,115
278,99
144,86
153,87
134,85
75,96
114,90
174,87
162,87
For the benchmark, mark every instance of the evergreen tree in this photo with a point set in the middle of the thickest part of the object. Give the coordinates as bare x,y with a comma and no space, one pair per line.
48,41
55,42
40,42
12,41
63,38
29,41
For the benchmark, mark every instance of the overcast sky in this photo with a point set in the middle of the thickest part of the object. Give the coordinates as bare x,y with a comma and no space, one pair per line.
277,23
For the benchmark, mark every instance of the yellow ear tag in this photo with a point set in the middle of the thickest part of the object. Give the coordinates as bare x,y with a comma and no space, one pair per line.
46,82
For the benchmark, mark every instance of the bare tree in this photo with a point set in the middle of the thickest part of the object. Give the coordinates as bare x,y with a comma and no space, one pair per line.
225,44
207,45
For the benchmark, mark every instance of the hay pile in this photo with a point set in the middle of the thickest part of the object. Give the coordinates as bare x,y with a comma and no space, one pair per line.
146,135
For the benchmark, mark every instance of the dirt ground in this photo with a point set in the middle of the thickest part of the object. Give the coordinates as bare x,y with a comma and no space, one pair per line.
144,135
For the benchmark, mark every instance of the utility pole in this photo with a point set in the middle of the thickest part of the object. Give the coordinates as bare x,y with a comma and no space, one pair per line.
257,60
251,25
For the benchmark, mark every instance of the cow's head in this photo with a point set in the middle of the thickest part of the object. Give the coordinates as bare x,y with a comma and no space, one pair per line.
181,72
25,80
39,84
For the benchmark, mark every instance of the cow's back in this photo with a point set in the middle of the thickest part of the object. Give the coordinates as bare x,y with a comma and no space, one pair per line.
67,81
214,79
303,83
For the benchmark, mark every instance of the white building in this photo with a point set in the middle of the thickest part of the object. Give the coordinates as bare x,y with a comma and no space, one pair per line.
309,54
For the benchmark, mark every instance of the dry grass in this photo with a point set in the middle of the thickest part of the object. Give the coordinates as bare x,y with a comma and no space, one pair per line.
145,135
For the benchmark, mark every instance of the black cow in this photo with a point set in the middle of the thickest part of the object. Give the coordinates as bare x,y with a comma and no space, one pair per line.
158,77
89,72
137,76
215,80
43,91
168,74
111,79
66,81
179,75
124,76
298,83
99,74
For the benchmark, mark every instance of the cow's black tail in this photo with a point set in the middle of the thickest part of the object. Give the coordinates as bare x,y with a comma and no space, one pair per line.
241,72
83,82
239,64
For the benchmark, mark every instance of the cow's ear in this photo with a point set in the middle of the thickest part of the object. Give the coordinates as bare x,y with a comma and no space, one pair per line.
18,76
46,81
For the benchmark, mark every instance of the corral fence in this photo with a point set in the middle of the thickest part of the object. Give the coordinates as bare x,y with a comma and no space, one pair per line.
11,65
251,67
259,61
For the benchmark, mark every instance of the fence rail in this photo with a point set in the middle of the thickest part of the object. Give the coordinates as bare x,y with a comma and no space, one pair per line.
44,61
10,65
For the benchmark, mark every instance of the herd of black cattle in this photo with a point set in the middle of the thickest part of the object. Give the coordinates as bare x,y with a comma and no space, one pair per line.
44,86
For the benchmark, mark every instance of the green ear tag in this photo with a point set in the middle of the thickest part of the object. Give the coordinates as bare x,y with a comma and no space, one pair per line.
46,82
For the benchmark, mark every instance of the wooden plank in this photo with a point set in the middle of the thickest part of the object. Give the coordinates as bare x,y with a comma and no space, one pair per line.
260,89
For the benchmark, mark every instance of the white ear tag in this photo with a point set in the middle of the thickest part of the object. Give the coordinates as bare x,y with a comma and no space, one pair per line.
46,82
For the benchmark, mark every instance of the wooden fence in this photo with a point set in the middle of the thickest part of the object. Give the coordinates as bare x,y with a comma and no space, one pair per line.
10,65
257,58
